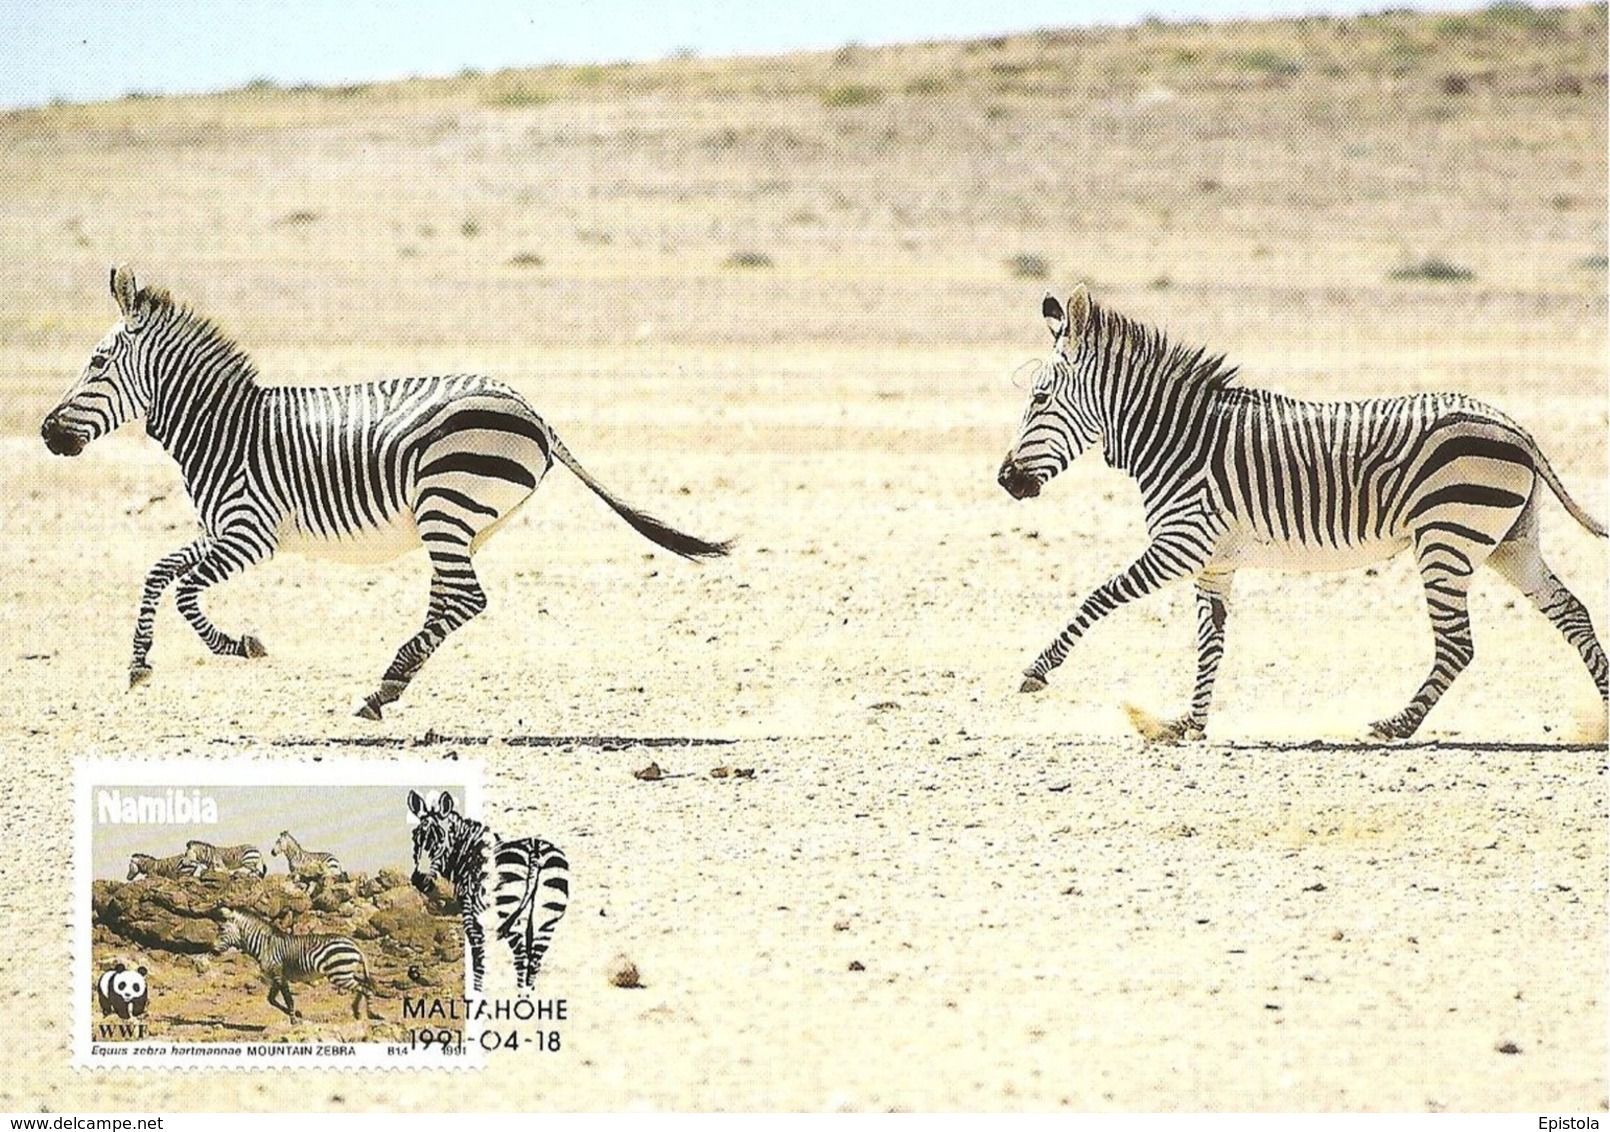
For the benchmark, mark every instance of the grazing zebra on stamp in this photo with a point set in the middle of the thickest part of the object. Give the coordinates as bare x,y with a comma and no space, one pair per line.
207,858
306,863
530,886
168,868
362,472
1232,476
286,959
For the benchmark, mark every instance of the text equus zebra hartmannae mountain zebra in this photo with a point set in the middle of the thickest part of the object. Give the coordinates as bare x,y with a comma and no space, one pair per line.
302,862
529,886
225,858
361,472
286,959
1232,477
169,868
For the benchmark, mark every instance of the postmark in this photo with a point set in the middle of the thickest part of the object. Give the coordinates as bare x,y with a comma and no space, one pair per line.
247,913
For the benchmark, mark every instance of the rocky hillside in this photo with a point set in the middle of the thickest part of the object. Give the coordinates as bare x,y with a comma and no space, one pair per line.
412,945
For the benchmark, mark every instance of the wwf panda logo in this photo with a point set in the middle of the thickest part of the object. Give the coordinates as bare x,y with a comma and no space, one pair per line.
122,992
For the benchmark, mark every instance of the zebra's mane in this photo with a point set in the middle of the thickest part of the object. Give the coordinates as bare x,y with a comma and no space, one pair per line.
254,920
185,322
1162,359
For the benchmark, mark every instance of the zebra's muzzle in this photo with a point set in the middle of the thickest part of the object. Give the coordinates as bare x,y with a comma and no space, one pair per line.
61,440
1017,482
423,881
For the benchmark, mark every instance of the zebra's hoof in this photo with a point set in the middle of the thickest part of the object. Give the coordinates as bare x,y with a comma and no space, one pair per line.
252,648
1169,731
138,674
368,711
1386,730
1031,684
1179,731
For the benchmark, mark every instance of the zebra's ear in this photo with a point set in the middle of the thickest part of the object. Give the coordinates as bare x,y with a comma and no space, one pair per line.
445,804
1079,311
124,290
416,803
1055,319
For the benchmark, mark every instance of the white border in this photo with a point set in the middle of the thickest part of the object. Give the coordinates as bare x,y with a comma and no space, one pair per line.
238,770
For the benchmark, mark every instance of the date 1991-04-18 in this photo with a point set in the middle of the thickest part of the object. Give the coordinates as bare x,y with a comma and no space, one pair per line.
454,1041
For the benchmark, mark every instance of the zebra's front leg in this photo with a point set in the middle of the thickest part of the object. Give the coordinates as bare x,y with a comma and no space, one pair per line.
285,1004
475,936
1212,608
225,556
1171,555
455,597
157,581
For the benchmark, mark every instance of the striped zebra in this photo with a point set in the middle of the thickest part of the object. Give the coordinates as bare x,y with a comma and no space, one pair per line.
207,858
530,886
286,959
1233,476
302,863
362,472
180,865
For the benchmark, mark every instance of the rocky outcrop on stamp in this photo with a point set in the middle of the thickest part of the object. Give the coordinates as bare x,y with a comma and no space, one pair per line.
170,926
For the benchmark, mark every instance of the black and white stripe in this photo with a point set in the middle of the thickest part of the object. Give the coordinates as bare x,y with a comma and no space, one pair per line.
207,857
178,866
306,863
529,886
1234,477
360,472
287,959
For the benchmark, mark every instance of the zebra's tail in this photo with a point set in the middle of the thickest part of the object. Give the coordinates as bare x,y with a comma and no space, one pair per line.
1546,470
688,546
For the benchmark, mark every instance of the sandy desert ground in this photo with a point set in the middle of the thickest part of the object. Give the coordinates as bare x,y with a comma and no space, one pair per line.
1046,912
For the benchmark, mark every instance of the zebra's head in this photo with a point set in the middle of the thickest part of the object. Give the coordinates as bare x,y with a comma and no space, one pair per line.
433,828
284,843
229,930
1061,419
116,384
137,865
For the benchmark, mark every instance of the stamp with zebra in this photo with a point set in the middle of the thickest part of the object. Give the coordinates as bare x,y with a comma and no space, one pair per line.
241,913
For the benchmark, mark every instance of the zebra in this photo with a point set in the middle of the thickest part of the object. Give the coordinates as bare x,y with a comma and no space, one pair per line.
361,472
530,889
1233,476
286,959
300,862
181,865
231,859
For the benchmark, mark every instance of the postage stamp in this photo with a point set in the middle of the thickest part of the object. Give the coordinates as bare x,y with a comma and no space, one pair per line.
254,913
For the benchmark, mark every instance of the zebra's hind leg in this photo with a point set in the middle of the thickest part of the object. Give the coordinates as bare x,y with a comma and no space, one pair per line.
1519,559
363,991
157,581
223,557
551,898
455,597
529,943
538,937
1445,568
1212,608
